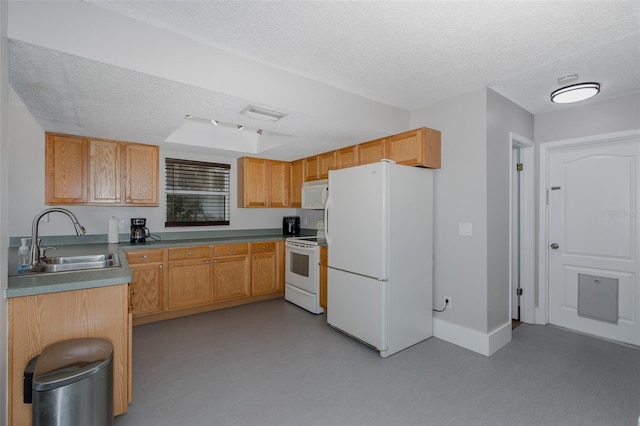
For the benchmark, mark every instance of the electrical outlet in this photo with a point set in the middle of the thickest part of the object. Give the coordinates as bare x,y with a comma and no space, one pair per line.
448,303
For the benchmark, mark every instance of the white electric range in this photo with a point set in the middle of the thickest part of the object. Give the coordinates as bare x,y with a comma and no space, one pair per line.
302,273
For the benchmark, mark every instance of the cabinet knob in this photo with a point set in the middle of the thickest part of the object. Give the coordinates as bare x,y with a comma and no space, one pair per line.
188,253
253,257
215,261
232,250
264,247
128,200
208,262
132,307
160,266
145,257
134,291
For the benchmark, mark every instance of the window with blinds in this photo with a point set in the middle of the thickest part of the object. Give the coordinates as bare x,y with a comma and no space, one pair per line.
197,193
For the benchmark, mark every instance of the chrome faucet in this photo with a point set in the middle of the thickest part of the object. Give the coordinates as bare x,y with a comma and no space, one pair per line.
35,247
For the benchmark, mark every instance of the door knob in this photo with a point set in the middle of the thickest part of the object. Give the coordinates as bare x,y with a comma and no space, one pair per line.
555,246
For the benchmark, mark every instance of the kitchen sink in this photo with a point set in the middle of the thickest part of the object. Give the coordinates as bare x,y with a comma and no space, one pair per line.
77,263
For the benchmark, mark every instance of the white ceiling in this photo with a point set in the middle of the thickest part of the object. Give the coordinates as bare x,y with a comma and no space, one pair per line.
402,55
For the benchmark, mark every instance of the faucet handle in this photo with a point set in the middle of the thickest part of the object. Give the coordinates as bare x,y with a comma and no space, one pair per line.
43,251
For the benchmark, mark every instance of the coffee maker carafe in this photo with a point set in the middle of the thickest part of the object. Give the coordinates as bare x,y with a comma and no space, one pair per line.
139,232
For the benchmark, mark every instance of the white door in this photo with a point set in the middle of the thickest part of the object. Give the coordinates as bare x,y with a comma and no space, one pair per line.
515,234
593,239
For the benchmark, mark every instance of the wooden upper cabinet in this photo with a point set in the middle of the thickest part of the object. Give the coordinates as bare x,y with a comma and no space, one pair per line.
371,152
295,195
263,183
140,174
419,147
253,182
326,162
279,183
347,157
98,172
310,168
104,172
65,169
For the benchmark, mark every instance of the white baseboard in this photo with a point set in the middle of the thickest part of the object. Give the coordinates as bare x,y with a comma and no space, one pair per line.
485,344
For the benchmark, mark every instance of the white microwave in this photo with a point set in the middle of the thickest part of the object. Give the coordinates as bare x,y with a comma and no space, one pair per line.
314,194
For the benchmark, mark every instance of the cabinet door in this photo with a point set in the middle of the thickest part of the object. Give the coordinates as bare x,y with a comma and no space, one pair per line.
310,168
65,169
253,188
347,157
231,278
104,172
323,277
189,283
141,174
146,289
371,152
263,273
420,147
326,162
279,183
296,183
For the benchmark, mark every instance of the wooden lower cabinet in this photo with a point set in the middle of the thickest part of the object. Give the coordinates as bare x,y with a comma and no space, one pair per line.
40,320
146,290
264,268
323,276
178,281
231,272
189,283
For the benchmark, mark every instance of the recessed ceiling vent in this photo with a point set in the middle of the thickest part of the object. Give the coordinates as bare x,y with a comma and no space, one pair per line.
262,113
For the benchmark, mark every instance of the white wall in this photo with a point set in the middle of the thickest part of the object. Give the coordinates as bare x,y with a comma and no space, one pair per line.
4,161
594,118
460,270
503,118
26,191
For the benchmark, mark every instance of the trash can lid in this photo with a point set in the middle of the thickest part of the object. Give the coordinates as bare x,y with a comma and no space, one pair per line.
69,361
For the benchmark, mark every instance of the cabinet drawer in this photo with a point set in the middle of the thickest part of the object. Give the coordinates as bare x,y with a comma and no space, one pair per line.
180,253
265,247
230,249
144,256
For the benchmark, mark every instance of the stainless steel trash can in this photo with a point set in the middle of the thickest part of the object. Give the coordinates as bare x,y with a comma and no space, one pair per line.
73,384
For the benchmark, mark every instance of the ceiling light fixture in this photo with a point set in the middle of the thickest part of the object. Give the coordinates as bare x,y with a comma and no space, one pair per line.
575,93
259,132
262,113
240,127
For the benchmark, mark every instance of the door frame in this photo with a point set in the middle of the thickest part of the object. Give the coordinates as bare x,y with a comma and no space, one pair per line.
527,228
542,312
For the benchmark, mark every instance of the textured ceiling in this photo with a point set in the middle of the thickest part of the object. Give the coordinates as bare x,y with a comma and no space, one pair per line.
405,54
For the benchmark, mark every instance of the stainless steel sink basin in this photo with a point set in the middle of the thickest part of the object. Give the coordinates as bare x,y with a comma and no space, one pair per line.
77,263
89,258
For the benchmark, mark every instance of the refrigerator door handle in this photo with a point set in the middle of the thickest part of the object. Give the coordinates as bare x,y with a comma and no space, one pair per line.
327,237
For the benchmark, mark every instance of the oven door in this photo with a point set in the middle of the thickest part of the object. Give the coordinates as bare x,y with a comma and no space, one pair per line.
302,267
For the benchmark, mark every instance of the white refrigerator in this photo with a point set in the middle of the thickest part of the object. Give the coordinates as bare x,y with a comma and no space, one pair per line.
379,232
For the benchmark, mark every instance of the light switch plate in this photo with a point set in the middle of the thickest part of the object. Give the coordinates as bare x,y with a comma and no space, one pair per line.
465,229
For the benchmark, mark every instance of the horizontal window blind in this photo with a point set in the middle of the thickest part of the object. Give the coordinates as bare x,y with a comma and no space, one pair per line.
197,193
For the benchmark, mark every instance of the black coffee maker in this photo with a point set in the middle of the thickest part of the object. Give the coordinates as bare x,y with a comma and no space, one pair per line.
291,225
139,232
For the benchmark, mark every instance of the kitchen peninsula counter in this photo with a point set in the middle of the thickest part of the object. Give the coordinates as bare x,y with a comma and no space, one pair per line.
29,284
